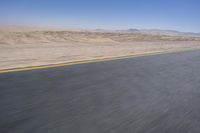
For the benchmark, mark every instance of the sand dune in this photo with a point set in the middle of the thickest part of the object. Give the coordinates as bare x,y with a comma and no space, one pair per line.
22,46
24,35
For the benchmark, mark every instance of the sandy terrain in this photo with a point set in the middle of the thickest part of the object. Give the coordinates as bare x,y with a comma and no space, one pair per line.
21,47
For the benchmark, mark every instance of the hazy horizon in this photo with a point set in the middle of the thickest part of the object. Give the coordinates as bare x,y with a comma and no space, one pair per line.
179,15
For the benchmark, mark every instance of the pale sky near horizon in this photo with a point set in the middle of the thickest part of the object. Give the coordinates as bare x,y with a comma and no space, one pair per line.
182,15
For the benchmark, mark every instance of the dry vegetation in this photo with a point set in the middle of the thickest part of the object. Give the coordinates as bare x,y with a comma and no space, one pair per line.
21,47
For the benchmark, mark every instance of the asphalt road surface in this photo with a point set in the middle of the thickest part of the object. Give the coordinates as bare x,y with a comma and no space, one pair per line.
154,94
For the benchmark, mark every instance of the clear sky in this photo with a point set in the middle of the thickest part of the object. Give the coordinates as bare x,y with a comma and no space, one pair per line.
182,15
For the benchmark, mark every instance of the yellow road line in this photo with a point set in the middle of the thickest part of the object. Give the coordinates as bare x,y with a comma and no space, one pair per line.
88,61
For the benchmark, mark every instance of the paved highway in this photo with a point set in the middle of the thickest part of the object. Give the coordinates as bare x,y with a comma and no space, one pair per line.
154,94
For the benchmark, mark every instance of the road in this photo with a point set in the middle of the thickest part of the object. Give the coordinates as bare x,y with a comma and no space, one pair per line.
154,94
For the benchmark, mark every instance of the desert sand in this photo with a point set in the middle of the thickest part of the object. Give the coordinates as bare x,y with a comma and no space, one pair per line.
25,46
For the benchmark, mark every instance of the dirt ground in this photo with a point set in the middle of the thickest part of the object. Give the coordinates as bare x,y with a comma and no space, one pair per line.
35,47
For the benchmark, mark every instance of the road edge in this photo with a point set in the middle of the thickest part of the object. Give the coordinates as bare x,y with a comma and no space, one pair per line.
108,58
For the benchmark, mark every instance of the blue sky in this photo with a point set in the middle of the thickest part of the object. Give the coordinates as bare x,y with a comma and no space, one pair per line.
182,15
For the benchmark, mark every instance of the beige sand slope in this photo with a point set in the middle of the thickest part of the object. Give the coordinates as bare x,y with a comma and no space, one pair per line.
29,46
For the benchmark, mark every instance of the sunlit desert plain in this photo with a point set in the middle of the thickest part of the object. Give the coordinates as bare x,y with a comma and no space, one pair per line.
30,46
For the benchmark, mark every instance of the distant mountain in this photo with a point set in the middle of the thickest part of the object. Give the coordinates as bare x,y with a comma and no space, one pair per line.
133,30
128,31
159,32
168,32
152,32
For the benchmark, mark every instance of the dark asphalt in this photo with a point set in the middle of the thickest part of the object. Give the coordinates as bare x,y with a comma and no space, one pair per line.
155,94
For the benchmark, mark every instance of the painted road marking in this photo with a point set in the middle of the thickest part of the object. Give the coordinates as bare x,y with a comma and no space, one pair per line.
89,61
